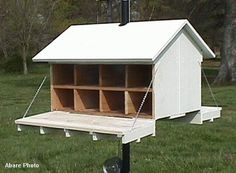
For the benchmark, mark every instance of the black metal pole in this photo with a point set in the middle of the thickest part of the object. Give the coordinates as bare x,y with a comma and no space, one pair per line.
125,158
125,12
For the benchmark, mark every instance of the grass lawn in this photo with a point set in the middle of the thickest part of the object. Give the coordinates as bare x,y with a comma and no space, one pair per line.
178,147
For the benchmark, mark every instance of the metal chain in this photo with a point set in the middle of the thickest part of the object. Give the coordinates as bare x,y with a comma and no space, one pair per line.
144,99
145,96
209,86
32,101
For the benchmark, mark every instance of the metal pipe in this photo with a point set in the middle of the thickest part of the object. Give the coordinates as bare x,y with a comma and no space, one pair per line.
125,12
125,158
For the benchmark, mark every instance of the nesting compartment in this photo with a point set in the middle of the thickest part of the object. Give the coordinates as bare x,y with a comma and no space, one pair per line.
112,75
134,100
86,100
114,90
62,99
87,75
139,75
112,101
63,74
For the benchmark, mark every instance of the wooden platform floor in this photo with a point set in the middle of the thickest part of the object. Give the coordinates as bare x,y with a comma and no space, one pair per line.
93,124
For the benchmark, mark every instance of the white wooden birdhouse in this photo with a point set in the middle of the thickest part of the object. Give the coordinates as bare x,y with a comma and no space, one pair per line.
111,80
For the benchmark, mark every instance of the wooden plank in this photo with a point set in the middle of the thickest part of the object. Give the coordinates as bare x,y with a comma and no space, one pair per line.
82,122
55,103
138,133
118,113
89,87
100,101
130,105
126,102
64,86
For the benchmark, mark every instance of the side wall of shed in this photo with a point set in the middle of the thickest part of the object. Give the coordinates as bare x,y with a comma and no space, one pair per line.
177,83
190,75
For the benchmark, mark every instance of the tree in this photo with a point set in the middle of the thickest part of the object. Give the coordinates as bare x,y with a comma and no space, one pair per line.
227,71
3,28
27,21
203,14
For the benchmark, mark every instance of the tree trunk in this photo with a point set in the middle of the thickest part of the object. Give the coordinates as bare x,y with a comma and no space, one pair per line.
5,54
227,71
109,10
24,60
4,50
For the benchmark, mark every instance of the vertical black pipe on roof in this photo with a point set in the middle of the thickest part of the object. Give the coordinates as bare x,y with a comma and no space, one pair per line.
125,12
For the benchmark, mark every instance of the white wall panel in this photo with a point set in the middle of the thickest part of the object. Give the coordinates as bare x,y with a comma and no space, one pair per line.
177,84
190,75
166,83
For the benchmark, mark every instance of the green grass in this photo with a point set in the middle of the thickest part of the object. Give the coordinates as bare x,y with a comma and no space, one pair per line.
178,147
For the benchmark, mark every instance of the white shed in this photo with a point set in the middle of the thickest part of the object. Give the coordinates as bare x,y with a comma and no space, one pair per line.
116,80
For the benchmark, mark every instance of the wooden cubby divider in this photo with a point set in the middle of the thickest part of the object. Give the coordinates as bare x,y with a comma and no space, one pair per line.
101,89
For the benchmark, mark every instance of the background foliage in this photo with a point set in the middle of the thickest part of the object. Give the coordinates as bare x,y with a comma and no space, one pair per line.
29,25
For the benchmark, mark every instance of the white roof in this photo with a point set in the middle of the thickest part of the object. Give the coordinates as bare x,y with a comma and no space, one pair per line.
136,42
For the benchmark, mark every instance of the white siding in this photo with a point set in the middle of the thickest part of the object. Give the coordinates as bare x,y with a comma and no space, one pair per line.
166,83
177,85
190,75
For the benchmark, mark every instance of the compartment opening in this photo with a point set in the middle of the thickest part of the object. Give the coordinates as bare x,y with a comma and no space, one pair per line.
139,75
87,100
113,75
87,75
63,99
63,74
134,100
112,101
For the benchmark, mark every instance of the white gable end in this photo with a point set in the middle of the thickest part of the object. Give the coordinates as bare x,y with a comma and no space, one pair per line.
189,48
177,84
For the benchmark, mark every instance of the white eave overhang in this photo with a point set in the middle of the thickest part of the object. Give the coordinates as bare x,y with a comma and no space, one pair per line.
95,61
134,43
